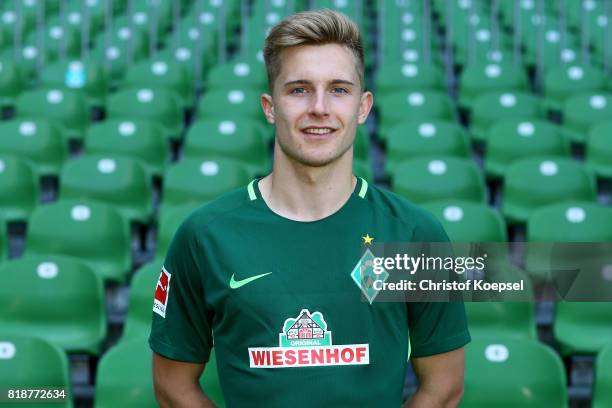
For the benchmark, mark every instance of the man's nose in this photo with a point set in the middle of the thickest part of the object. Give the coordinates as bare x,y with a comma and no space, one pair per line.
319,104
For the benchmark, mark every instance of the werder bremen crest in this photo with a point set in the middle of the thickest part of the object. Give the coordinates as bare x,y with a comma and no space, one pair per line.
364,276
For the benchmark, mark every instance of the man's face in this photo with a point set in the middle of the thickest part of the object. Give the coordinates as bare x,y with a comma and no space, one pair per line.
317,103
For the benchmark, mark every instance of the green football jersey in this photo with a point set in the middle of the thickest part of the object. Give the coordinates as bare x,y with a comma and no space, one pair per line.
290,324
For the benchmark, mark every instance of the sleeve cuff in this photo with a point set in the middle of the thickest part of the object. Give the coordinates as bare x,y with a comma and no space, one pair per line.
441,346
173,353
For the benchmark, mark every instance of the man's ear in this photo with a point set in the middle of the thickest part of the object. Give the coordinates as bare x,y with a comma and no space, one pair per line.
365,105
268,107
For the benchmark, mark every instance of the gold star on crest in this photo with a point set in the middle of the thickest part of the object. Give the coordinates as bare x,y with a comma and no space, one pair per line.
367,239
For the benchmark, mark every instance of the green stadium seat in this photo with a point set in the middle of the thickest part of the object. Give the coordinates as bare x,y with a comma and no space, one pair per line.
602,389
185,57
158,12
260,24
599,149
20,190
138,138
509,140
538,181
513,372
29,59
12,81
72,21
154,104
68,108
398,16
169,221
209,12
10,23
582,111
574,12
201,180
88,77
140,308
124,377
548,51
408,56
436,178
57,39
563,82
241,74
405,106
583,327
58,299
91,12
571,221
493,106
92,232
171,76
18,370
483,77
118,181
240,141
568,221
507,319
501,320
125,44
568,56
471,48
244,102
425,138
398,37
38,140
139,20
527,10
195,36
404,76
467,221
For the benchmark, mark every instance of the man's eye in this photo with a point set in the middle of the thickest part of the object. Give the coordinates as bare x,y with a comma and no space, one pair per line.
298,91
339,90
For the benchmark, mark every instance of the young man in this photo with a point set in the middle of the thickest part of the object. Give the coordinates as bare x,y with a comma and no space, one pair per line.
265,271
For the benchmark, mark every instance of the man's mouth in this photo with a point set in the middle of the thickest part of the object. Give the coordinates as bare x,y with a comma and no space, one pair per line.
318,131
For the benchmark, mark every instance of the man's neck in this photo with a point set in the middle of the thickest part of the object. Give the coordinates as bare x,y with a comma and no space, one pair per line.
304,193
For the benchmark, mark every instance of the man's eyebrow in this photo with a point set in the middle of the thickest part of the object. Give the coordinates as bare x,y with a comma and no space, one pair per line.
307,82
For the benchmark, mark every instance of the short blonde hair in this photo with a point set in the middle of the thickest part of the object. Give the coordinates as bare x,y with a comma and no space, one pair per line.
312,28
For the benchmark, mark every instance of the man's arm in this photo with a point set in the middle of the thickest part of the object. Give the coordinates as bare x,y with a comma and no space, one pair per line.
177,384
440,380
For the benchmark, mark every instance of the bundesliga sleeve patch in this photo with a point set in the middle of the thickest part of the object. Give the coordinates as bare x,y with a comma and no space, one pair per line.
161,293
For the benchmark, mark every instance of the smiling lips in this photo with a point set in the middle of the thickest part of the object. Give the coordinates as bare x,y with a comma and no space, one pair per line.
319,131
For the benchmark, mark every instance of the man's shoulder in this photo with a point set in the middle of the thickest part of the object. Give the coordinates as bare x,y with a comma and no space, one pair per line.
425,225
223,207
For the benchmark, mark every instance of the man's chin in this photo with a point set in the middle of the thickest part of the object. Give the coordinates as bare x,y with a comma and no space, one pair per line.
315,157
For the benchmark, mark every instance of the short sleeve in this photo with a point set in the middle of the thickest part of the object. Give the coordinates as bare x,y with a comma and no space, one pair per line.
182,324
436,327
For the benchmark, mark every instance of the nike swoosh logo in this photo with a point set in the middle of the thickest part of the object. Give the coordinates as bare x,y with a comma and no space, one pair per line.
234,284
